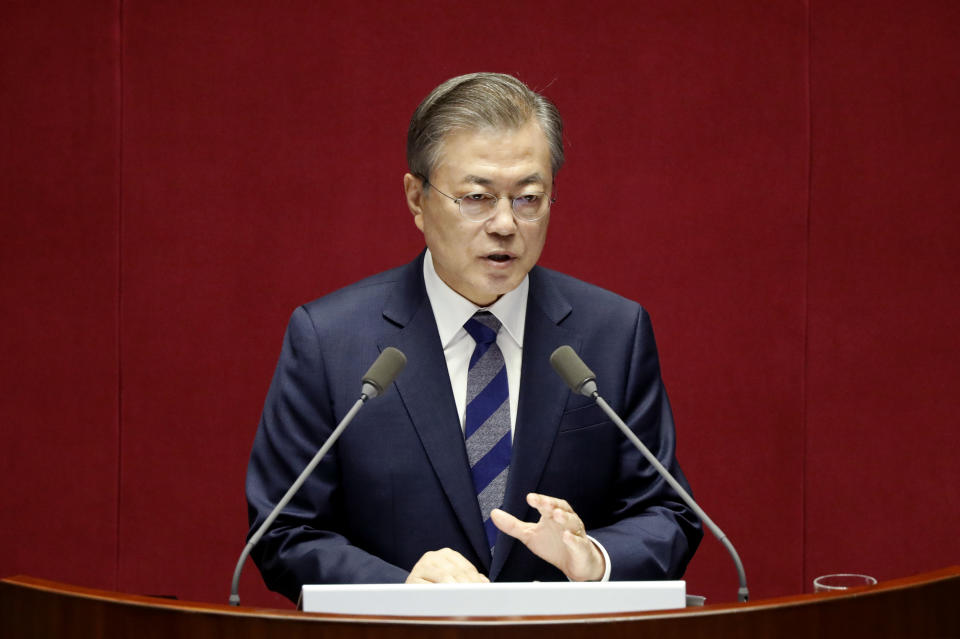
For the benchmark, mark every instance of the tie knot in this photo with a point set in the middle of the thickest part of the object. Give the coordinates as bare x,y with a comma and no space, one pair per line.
483,327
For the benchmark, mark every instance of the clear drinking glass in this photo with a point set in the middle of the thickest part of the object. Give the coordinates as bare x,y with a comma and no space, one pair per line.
841,581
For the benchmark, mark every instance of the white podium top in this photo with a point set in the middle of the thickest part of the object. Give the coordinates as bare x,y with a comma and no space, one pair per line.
495,599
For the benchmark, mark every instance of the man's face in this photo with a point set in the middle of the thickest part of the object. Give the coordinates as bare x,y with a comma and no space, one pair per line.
483,260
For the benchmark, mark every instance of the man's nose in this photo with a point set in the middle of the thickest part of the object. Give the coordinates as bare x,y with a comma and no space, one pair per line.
502,222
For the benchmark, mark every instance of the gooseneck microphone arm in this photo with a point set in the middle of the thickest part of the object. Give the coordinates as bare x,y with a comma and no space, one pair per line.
380,375
582,380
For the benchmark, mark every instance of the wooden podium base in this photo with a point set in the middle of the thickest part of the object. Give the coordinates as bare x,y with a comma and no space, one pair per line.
921,606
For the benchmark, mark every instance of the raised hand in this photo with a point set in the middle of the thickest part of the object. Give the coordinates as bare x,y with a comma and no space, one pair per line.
558,537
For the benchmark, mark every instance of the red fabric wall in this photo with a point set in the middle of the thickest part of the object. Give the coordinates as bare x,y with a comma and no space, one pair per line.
884,315
774,181
59,373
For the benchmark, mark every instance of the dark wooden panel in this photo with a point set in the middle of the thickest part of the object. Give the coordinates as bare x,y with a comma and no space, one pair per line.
922,606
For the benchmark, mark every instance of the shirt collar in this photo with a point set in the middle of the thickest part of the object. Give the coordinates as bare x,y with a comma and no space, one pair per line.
451,310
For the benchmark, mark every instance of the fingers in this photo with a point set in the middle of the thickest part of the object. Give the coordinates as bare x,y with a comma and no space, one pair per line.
545,503
570,522
444,566
558,511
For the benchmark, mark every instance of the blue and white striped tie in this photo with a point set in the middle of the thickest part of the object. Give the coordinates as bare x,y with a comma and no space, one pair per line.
487,428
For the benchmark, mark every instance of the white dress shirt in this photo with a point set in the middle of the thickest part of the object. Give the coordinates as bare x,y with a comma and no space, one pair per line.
451,311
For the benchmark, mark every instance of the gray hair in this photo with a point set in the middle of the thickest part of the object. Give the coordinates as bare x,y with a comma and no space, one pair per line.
476,101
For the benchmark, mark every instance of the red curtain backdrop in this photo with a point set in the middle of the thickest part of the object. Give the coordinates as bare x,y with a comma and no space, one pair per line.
774,181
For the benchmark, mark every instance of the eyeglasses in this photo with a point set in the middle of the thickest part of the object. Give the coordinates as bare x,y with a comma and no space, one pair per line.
480,207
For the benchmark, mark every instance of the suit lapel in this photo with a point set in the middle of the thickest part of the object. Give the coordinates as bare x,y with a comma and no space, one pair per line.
542,398
424,389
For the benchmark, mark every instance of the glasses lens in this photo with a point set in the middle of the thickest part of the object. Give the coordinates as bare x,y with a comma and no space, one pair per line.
530,206
477,206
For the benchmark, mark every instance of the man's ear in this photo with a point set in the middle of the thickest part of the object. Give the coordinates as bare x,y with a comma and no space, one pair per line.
413,189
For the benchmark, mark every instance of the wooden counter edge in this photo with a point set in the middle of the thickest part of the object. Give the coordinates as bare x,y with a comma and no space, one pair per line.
885,587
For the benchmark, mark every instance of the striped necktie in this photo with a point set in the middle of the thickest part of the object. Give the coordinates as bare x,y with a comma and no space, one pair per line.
487,427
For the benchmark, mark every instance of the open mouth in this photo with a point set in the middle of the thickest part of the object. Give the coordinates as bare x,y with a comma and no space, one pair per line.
499,257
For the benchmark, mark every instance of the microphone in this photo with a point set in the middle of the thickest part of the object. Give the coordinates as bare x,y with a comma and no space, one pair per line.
377,378
382,372
583,381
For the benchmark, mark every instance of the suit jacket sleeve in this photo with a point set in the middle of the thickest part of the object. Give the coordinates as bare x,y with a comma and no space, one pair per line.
649,532
307,542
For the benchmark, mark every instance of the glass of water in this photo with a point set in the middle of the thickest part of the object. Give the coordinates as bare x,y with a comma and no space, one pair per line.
841,581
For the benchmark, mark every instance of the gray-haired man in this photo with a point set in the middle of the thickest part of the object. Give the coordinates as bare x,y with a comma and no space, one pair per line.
478,419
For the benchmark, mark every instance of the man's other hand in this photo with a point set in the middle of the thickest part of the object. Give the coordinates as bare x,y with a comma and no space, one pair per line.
559,538
444,566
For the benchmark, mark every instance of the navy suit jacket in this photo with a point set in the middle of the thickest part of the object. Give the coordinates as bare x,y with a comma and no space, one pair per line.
397,483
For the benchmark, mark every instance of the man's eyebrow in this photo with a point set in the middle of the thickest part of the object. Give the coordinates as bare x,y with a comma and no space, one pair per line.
533,178
476,179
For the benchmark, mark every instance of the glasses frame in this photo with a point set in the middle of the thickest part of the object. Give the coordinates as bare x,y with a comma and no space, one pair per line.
551,200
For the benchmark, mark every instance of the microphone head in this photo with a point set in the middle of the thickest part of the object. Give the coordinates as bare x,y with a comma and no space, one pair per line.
574,372
383,371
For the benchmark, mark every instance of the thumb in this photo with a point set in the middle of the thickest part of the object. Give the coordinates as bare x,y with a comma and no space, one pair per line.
506,522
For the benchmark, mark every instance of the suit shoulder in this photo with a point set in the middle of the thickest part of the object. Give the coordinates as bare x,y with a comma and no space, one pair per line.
356,299
581,293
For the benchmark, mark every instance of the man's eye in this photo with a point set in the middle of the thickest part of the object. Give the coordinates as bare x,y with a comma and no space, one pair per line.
481,198
529,198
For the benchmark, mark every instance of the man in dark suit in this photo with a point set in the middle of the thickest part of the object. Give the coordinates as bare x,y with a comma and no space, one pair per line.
479,464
